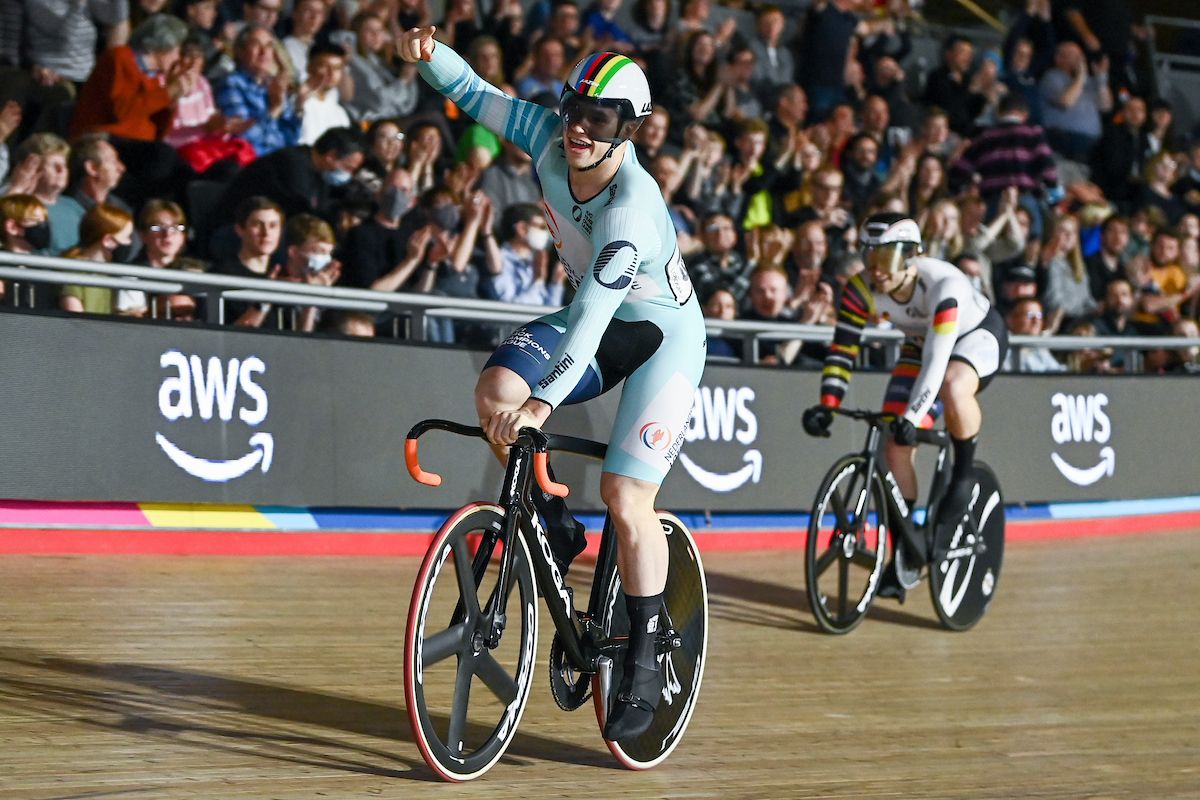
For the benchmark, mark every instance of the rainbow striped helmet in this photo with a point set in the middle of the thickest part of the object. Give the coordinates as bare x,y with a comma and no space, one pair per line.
611,79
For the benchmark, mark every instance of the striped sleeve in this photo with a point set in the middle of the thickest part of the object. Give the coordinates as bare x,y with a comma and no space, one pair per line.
527,125
935,355
855,308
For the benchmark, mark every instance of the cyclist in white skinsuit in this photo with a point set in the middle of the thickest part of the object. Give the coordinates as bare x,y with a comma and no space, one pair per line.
955,342
634,317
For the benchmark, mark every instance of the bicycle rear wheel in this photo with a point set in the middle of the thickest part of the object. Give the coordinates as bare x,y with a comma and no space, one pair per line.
686,602
967,558
847,544
465,699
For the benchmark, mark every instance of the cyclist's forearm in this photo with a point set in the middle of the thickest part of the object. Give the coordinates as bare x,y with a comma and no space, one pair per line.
526,124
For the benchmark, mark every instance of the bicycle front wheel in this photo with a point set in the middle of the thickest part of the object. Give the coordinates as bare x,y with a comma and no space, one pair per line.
465,698
686,601
967,557
847,544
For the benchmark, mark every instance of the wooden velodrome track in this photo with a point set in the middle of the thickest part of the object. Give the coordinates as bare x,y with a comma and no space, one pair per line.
149,677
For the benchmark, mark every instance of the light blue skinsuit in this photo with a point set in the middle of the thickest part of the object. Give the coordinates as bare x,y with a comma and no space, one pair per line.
634,314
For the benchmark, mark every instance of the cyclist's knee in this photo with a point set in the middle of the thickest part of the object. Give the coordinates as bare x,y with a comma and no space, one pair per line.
960,384
499,389
625,497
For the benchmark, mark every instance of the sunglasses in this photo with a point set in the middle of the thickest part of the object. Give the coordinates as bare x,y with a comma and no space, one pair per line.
167,228
601,123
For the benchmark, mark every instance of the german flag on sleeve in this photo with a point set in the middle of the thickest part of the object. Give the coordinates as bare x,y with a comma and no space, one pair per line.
945,317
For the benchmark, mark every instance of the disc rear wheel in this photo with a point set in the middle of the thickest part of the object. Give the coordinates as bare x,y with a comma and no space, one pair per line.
967,556
686,602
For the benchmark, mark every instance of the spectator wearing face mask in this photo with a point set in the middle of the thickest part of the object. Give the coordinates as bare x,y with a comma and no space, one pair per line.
520,269
310,261
302,179
105,234
24,229
42,171
450,261
384,252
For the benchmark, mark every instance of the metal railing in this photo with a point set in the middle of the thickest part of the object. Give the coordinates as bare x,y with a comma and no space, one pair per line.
421,309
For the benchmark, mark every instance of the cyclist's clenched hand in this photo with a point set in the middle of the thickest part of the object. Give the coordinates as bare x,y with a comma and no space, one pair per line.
904,433
816,421
504,426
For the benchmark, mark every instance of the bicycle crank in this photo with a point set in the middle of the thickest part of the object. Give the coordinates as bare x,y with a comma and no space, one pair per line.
570,688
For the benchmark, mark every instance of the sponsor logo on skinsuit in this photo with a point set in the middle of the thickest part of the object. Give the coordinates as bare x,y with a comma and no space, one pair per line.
656,436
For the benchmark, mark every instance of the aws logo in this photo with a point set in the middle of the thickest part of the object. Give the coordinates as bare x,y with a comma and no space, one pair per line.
1082,418
215,390
724,415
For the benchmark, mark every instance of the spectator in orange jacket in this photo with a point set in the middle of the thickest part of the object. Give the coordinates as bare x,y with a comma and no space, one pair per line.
131,96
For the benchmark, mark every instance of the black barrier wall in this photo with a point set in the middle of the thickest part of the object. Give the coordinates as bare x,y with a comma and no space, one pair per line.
110,410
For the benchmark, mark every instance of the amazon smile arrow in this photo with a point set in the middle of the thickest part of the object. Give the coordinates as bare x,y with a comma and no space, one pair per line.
1086,477
263,448
717,482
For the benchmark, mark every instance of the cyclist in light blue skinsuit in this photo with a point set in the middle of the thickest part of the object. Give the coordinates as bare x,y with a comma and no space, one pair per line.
634,317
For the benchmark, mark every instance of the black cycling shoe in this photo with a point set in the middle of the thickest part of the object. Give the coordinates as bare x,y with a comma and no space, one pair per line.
889,584
633,712
954,504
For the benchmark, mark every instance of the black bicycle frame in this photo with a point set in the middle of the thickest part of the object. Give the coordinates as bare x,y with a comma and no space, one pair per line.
897,512
520,519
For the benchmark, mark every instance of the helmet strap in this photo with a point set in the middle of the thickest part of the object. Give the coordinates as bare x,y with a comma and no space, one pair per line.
612,148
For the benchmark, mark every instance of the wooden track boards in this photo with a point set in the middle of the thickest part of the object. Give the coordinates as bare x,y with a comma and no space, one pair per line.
147,677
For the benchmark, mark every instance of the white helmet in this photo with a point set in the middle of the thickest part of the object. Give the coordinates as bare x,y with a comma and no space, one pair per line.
888,240
611,79
889,227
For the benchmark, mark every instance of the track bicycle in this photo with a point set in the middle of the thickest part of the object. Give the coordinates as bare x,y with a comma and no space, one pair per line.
471,638
859,505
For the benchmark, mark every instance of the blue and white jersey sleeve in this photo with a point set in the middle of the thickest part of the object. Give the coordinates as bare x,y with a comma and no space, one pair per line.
527,125
623,239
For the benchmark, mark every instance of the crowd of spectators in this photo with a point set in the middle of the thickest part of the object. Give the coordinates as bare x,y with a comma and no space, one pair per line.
283,139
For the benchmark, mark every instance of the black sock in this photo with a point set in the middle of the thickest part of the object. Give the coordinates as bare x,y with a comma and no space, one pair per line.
964,458
643,629
911,502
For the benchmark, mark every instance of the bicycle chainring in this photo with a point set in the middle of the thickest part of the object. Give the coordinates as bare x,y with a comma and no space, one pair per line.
569,688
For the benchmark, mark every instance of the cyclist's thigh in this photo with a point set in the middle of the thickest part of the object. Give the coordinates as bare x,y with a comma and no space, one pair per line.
528,350
656,402
984,348
899,388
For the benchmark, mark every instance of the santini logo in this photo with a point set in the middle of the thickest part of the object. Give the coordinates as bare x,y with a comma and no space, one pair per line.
724,415
1081,418
208,390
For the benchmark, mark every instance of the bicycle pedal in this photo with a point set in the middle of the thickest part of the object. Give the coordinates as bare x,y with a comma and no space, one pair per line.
667,640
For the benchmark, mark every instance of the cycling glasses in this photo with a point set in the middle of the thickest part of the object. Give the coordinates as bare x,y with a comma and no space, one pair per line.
601,123
888,258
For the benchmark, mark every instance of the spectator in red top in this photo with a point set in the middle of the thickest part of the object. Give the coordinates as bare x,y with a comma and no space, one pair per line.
131,96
